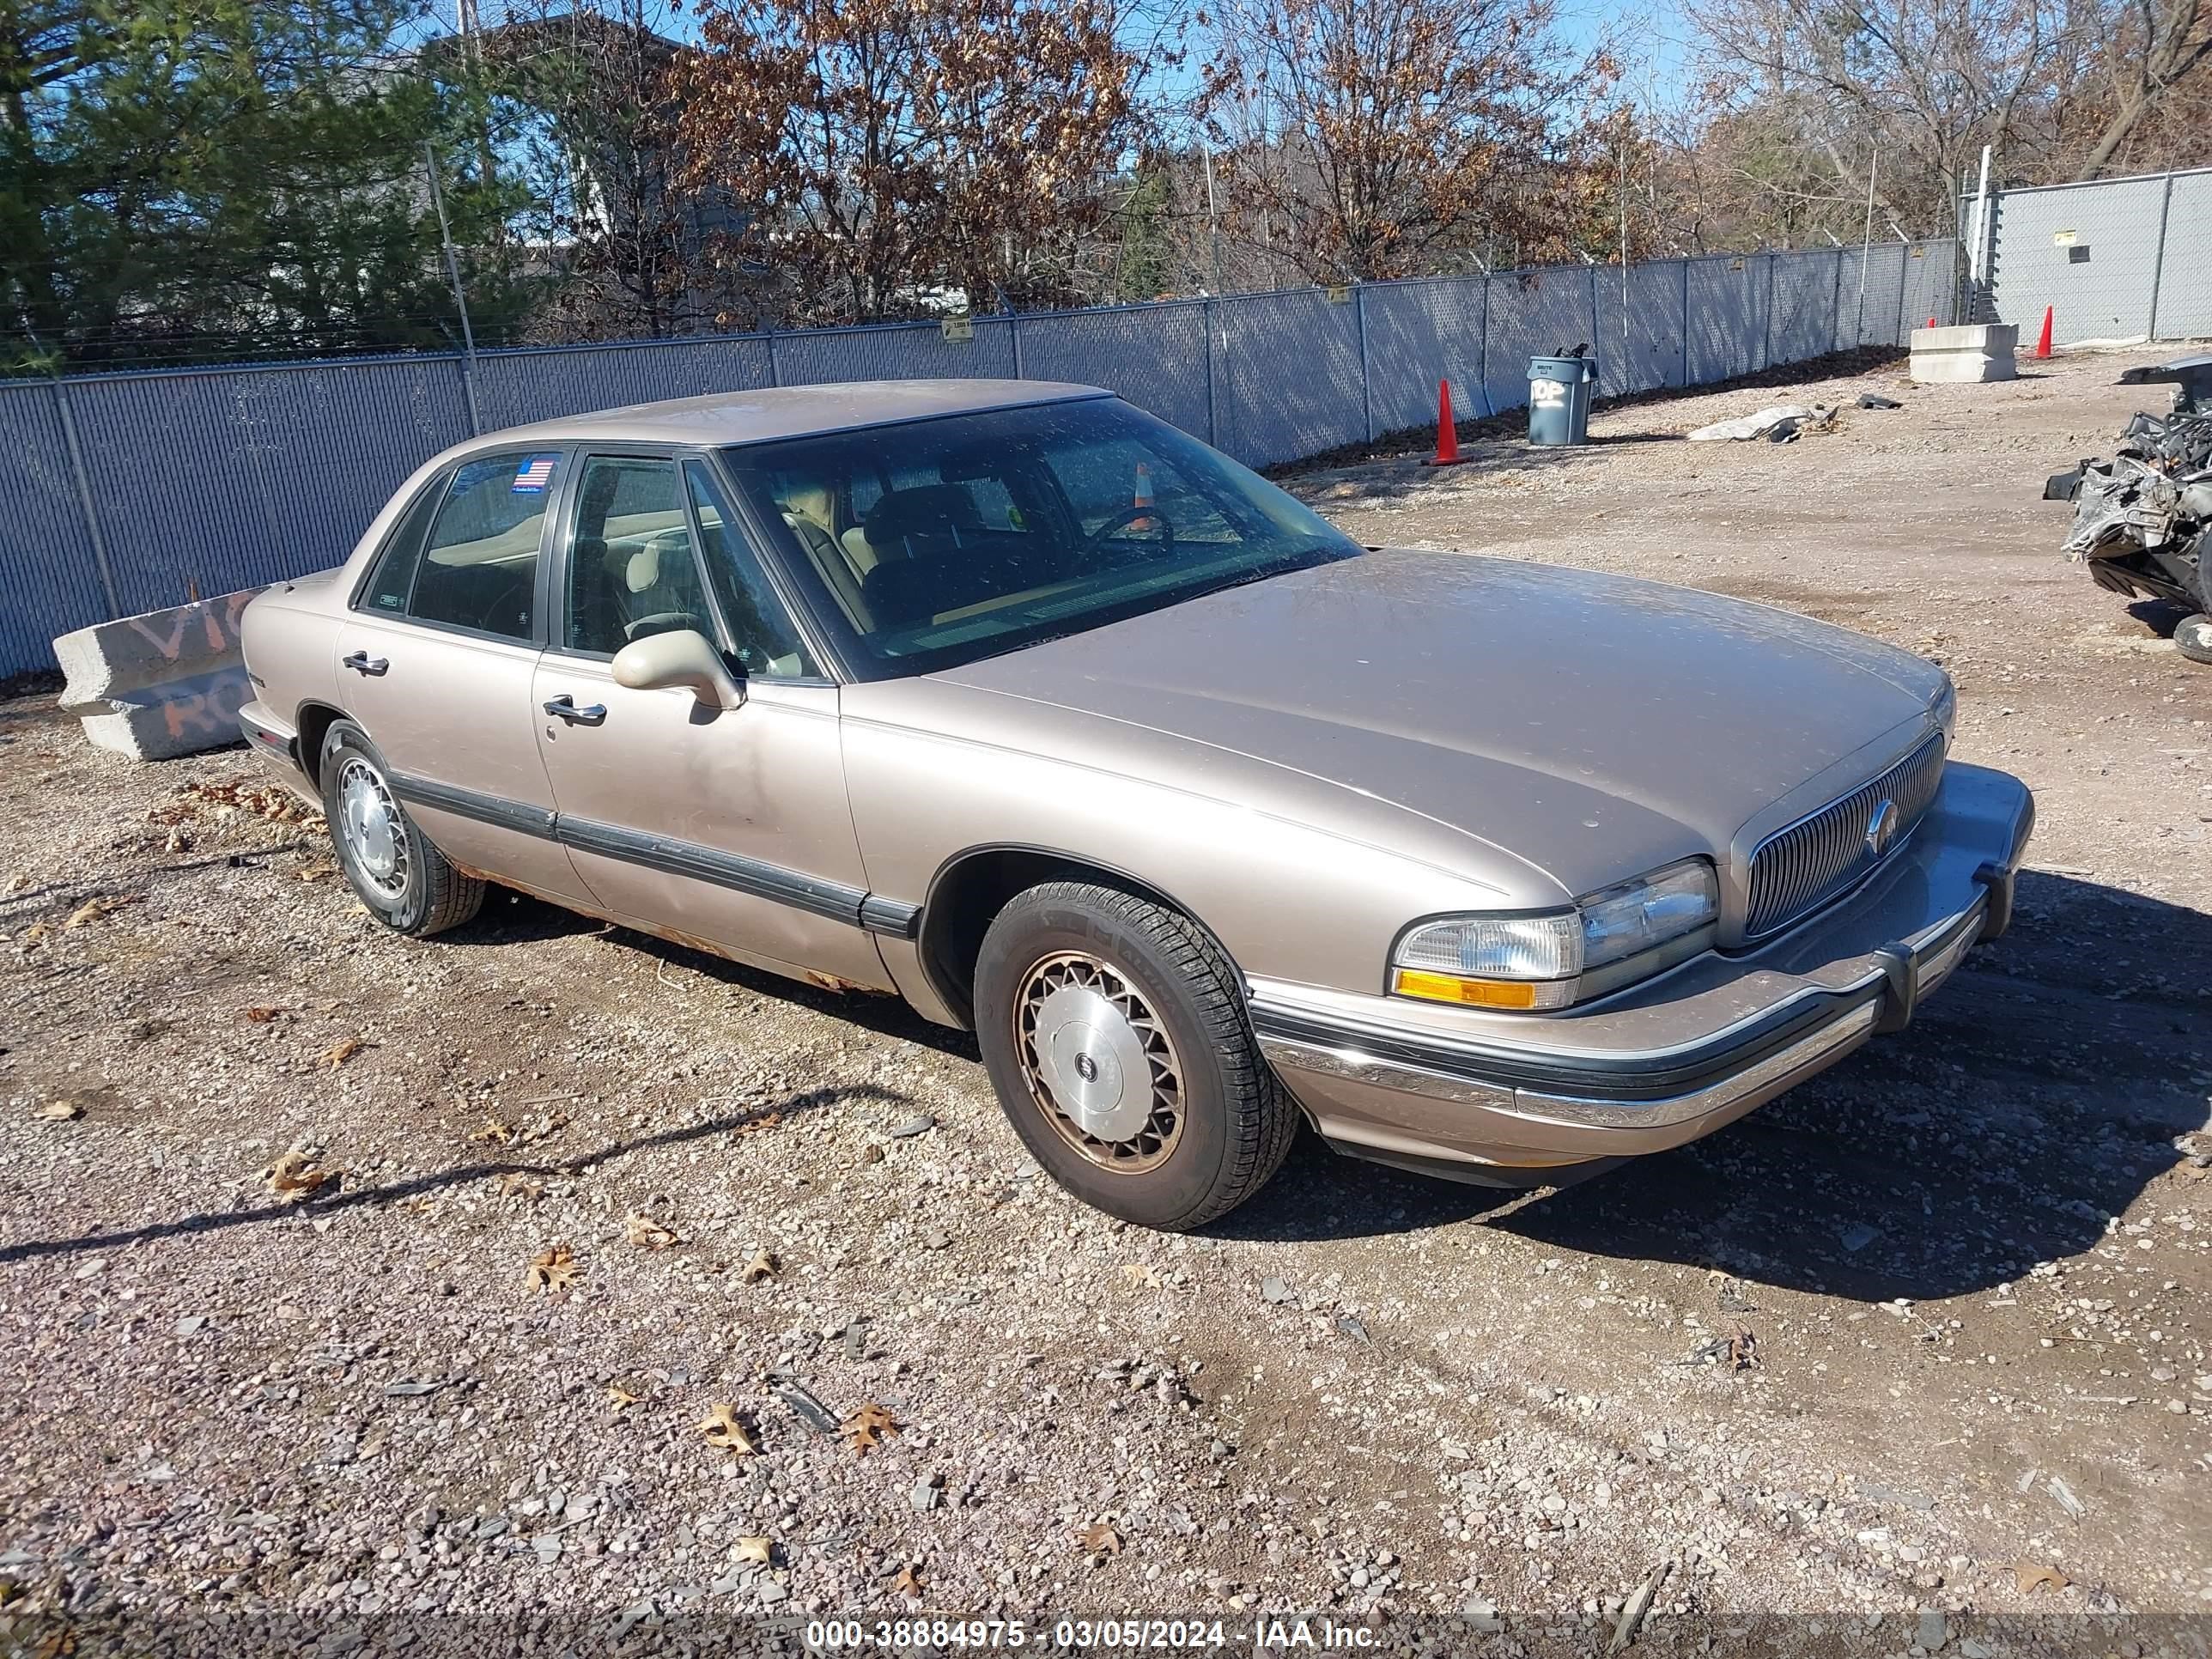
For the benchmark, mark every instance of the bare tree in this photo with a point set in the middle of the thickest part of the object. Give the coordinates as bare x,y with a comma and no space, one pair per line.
2143,53
1362,139
889,153
1923,83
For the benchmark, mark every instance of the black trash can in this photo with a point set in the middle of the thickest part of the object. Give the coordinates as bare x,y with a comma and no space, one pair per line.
1559,393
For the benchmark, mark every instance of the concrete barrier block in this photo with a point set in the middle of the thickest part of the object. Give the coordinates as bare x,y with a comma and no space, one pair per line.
1968,353
168,683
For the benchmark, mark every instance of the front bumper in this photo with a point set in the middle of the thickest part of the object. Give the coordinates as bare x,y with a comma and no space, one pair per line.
1510,1099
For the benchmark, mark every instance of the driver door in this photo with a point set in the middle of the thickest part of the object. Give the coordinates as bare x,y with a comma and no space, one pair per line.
729,826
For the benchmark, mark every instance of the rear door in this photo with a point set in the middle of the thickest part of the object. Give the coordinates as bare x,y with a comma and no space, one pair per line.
435,658
727,826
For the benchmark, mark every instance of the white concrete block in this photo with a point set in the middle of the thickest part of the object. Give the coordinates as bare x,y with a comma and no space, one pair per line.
1966,354
166,684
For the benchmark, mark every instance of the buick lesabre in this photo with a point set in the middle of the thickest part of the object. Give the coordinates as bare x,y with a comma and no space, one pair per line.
1010,699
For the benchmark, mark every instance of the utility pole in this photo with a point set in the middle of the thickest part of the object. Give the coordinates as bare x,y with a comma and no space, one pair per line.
460,298
1213,219
1866,245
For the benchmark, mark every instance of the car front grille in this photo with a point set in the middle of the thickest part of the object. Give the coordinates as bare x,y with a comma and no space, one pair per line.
1795,869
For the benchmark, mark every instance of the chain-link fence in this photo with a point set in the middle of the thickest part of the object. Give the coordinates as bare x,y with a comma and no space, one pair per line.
2116,260
130,492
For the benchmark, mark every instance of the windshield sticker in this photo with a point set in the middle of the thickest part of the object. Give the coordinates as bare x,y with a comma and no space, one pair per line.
534,474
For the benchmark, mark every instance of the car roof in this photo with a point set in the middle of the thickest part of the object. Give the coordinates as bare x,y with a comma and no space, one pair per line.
740,417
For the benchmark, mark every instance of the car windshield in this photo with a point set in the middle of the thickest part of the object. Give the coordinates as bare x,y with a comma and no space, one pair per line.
931,543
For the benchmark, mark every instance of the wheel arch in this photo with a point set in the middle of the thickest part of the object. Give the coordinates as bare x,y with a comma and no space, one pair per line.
971,887
313,722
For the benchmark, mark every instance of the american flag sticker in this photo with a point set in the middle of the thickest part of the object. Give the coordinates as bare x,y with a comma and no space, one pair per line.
534,474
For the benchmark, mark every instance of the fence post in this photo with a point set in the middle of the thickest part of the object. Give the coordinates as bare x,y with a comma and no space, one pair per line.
1014,329
1766,339
1685,322
1482,347
1367,381
1212,413
1904,275
2158,260
84,501
1836,307
774,368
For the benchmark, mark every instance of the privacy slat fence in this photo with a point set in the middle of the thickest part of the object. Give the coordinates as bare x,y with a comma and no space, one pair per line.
209,480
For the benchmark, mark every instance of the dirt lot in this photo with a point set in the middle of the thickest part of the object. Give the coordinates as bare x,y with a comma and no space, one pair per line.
1912,1356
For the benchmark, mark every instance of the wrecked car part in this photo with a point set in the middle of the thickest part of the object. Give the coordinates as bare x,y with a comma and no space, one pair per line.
2142,516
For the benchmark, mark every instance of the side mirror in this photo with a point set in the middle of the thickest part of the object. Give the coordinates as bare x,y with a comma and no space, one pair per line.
683,657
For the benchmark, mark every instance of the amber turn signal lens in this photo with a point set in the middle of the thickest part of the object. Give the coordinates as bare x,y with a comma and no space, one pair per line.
1471,993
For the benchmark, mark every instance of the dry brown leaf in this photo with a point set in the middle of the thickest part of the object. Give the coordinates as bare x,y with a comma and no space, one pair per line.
61,1111
908,1582
341,1051
494,1134
621,1398
261,1015
35,931
1142,1275
2033,1576
1101,1539
511,1185
316,871
762,1266
648,1234
553,1269
750,1551
94,908
293,1177
867,1427
726,1433
16,884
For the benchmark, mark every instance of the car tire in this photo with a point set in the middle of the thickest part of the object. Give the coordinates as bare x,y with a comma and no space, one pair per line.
2192,637
407,884
1079,989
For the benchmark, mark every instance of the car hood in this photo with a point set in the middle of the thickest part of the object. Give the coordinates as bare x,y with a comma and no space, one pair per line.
1591,725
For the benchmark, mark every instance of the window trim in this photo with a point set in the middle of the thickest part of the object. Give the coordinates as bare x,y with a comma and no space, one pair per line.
556,507
572,505
375,560
742,520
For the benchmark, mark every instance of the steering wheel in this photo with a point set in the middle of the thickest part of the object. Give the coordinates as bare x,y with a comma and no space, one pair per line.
1129,515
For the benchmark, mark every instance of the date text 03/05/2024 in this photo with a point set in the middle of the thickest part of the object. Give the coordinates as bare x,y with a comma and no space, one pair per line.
1086,1635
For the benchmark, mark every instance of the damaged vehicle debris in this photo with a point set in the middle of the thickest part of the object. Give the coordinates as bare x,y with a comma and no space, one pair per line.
2141,518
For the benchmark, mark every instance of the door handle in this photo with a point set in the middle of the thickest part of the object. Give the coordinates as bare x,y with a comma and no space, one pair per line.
361,663
564,708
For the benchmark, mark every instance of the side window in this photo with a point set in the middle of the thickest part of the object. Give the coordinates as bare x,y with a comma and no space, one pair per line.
632,570
480,569
767,644
394,575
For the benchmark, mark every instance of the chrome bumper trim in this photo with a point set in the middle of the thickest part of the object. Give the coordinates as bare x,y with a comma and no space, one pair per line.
1756,1062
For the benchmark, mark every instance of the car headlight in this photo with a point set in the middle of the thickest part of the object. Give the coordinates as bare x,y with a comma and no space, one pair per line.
1547,959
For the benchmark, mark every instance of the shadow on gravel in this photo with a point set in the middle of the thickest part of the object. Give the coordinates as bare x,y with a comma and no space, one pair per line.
2037,1094
521,917
395,1192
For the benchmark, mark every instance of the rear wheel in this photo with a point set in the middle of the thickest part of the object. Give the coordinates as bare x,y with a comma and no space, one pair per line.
2192,637
1114,1032
407,884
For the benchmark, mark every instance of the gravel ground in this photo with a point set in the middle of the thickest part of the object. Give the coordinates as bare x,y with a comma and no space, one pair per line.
1917,1355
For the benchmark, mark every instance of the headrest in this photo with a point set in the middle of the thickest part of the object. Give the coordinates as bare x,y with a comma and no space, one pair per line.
927,510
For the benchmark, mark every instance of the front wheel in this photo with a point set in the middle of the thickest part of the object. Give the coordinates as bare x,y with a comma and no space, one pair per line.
1115,1033
407,884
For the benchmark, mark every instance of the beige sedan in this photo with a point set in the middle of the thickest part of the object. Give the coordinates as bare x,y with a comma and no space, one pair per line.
1010,699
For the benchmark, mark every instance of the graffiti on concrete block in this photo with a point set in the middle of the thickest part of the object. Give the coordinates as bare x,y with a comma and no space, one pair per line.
218,618
207,706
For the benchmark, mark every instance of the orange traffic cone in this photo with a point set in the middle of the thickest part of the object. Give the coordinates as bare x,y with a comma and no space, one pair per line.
1447,434
2043,340
1142,496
